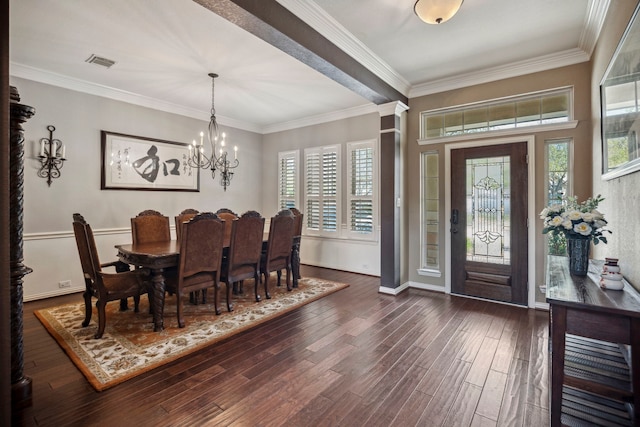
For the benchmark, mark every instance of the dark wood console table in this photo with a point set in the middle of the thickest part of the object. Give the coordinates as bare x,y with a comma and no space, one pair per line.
595,348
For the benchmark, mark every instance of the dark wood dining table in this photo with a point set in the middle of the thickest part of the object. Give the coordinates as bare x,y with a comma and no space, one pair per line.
159,256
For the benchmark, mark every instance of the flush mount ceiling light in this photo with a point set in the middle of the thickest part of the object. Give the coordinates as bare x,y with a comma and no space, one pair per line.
436,11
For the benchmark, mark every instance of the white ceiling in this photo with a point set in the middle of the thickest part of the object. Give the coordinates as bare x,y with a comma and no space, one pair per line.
164,50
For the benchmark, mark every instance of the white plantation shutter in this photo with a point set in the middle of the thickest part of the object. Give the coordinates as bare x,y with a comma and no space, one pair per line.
313,177
362,168
330,191
288,179
322,190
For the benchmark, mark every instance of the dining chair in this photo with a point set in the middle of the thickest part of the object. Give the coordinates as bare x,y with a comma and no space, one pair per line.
245,249
227,215
295,246
102,285
183,216
278,253
150,226
179,219
201,243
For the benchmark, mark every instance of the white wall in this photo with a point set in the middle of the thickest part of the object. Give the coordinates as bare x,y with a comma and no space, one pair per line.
49,247
339,253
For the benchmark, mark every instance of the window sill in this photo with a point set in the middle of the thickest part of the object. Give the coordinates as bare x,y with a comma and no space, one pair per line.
429,272
346,239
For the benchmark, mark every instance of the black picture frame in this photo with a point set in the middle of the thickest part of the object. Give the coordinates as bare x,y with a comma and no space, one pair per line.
130,162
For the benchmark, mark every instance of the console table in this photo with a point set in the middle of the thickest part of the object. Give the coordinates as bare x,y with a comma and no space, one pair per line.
595,348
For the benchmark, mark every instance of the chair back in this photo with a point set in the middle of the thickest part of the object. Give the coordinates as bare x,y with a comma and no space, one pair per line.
86,247
150,226
298,216
245,246
184,216
228,216
201,244
280,239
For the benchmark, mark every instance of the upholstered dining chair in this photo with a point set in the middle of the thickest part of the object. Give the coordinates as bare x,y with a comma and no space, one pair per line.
245,249
179,219
150,226
201,243
295,246
183,216
227,215
102,285
278,253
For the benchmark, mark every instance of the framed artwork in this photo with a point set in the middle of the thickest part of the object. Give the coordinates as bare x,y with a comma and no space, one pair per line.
138,163
620,98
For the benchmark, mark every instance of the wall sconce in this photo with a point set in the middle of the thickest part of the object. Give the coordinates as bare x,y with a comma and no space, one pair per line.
52,156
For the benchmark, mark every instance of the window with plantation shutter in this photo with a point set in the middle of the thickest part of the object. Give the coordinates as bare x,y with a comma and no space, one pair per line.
362,182
322,190
288,180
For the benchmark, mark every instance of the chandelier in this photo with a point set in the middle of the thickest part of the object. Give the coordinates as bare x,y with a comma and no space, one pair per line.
218,160
436,11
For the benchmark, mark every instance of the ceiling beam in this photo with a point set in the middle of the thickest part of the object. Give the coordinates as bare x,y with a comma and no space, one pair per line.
273,23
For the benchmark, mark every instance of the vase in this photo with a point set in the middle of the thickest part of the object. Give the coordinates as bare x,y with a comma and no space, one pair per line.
578,250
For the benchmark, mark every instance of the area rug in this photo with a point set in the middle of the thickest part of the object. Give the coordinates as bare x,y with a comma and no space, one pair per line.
129,347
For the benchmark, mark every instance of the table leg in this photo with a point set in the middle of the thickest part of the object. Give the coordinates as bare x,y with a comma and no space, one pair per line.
558,328
295,260
635,368
157,300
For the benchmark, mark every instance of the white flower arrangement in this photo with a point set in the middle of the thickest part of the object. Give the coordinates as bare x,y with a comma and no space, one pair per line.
576,220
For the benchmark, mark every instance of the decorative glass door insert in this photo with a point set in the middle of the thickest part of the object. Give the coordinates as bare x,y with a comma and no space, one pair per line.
488,210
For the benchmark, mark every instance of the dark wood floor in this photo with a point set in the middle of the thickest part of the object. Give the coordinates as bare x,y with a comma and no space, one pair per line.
354,358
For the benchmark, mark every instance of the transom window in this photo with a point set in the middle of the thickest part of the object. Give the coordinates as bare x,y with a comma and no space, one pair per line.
541,108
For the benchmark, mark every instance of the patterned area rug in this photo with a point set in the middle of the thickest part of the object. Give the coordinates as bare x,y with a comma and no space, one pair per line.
129,347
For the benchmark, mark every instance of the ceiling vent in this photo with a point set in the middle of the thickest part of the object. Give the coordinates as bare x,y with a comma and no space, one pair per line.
98,60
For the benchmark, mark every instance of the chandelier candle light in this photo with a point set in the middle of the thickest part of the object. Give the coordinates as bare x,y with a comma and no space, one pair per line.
52,156
218,161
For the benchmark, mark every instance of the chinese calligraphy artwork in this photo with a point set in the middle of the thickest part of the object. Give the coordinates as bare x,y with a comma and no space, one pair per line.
138,163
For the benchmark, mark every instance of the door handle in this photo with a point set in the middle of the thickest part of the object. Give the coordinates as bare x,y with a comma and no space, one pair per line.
454,220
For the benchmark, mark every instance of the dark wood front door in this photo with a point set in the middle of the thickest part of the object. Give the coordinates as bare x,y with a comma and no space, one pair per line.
489,222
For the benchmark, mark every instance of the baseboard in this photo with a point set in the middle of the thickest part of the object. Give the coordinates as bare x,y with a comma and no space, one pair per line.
426,287
51,294
541,306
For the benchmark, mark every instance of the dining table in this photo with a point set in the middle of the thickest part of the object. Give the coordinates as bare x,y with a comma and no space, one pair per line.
157,257
160,256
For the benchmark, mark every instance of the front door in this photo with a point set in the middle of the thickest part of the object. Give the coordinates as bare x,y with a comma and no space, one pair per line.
489,222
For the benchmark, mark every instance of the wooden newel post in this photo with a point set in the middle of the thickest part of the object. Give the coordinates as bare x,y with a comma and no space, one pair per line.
21,389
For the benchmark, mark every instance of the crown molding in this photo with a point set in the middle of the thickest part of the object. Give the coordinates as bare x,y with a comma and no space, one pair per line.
515,69
47,77
312,14
395,108
317,18
321,118
594,21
